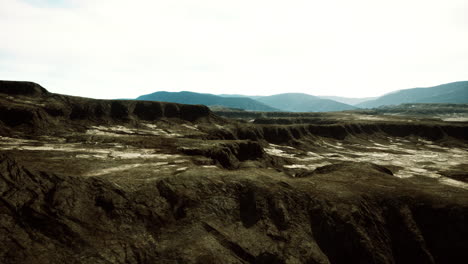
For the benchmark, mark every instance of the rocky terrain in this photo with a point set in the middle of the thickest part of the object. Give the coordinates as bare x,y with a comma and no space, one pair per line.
102,181
401,113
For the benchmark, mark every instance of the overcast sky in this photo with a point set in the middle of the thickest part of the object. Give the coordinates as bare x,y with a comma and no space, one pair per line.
122,49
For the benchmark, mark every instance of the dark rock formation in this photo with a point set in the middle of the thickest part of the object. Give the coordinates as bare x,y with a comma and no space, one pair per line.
30,107
22,88
230,155
165,206
344,214
279,134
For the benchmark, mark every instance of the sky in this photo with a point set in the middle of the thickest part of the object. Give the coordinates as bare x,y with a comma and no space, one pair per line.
123,49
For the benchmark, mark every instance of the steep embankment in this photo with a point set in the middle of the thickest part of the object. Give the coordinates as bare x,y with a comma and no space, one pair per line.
28,105
283,134
351,213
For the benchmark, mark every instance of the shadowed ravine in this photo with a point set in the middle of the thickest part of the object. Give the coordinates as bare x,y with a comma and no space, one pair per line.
102,181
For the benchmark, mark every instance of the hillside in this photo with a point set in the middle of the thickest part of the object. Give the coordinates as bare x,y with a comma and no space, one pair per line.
299,102
138,182
451,93
207,99
348,100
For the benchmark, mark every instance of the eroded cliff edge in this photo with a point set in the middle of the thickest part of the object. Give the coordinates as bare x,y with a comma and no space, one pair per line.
113,184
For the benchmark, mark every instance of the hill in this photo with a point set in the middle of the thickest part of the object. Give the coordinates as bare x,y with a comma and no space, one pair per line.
299,102
348,100
207,99
451,93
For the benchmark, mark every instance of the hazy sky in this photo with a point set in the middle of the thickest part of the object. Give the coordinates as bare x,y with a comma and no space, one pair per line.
122,49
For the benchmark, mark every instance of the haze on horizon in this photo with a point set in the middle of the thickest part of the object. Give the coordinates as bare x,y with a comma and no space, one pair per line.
123,49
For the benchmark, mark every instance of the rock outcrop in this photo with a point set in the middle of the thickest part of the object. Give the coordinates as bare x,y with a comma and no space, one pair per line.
355,213
29,107
285,134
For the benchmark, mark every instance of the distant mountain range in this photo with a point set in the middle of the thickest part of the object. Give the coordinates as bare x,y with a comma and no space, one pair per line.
454,93
300,102
344,100
290,102
348,100
208,99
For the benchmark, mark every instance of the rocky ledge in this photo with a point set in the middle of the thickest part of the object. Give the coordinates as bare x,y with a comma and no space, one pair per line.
102,181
